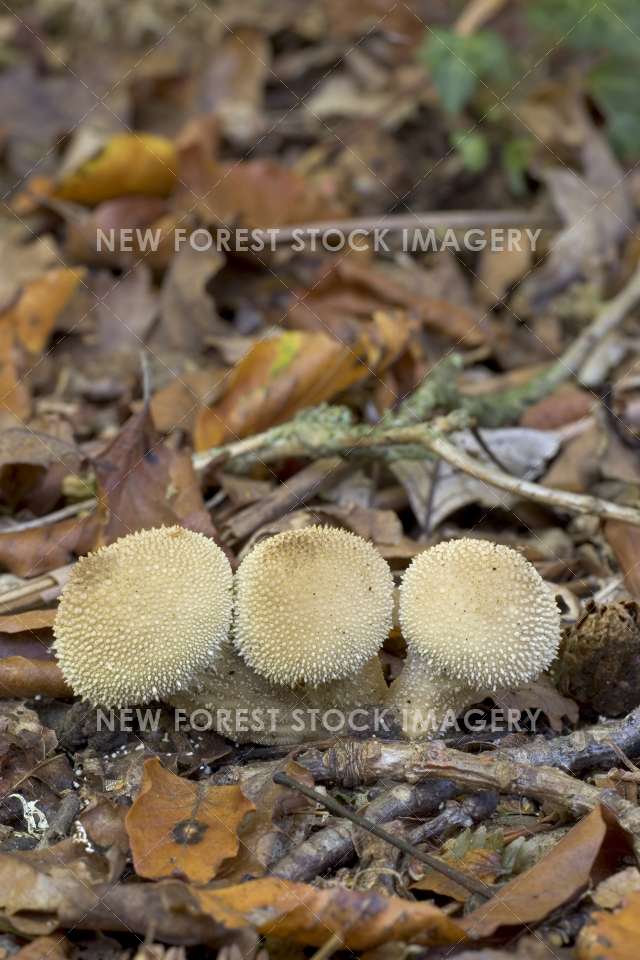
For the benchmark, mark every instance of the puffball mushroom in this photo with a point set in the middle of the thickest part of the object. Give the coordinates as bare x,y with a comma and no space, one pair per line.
476,616
312,606
312,609
138,619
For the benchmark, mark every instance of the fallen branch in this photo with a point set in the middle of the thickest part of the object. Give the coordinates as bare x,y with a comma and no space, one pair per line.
332,847
498,771
465,881
355,762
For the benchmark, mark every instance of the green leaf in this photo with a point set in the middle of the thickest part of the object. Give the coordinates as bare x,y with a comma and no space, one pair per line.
459,64
516,157
614,87
473,149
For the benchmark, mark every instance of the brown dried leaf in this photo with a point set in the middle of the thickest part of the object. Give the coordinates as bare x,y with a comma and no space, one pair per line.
304,914
541,694
31,552
277,378
34,316
142,483
481,864
555,880
139,163
179,828
20,677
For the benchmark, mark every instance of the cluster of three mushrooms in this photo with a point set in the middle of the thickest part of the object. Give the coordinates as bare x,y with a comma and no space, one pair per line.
149,617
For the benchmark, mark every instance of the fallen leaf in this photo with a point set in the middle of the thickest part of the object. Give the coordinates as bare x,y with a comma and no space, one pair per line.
34,316
555,880
267,835
255,194
308,915
129,163
612,936
596,211
15,406
565,405
20,677
180,828
29,620
541,694
142,483
481,864
624,540
28,553
280,376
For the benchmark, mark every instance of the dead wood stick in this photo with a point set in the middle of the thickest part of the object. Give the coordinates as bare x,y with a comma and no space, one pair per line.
333,847
469,883
305,484
486,771
425,220
476,14
528,490
355,762
42,589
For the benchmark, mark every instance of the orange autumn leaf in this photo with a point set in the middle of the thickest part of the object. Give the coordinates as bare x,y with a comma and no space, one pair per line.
280,376
308,915
612,936
136,163
553,881
34,315
180,828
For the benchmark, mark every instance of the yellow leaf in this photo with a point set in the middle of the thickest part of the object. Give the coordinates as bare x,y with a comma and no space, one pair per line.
130,163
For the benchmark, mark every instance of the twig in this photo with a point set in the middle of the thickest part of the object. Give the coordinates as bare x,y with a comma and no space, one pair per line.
46,588
527,490
499,771
335,942
63,514
436,220
333,846
340,810
354,762
476,14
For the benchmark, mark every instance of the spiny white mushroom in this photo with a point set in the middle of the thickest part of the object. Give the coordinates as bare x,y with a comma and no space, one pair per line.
140,618
312,606
475,615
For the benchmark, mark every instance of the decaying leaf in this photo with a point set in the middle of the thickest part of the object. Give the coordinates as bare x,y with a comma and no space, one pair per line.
553,881
277,378
182,829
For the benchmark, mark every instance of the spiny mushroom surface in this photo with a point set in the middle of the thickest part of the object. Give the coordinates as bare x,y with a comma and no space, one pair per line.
139,618
312,606
480,613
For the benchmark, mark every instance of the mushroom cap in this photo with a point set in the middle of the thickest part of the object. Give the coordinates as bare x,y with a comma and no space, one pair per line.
139,618
312,605
480,613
